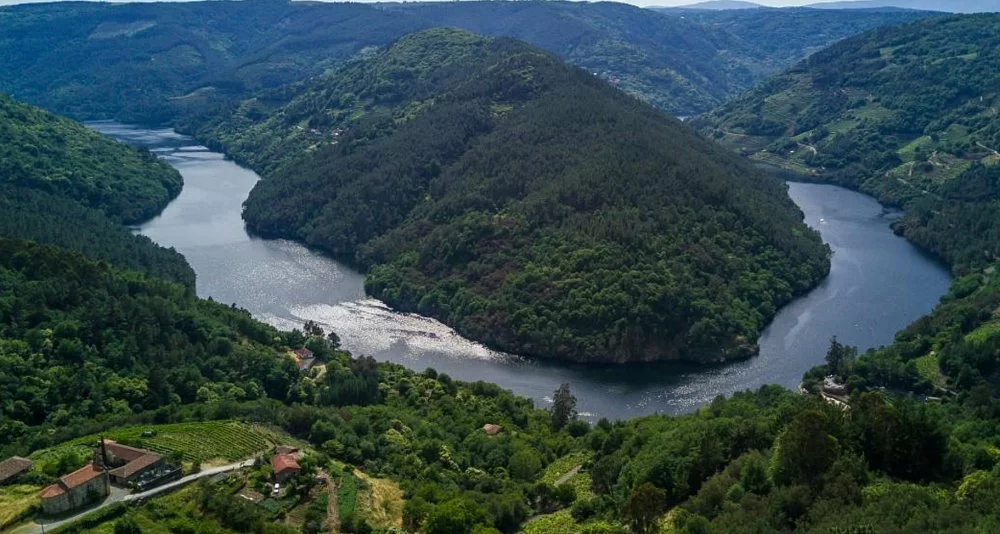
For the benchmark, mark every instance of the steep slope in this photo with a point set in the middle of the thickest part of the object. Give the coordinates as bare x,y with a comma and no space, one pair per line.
150,61
782,37
63,184
525,202
46,152
907,114
153,62
679,66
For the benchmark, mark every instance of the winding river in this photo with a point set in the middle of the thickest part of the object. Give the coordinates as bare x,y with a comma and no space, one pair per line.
878,284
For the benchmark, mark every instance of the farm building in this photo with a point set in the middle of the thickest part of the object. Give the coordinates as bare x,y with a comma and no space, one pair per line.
126,463
285,466
83,486
13,467
304,358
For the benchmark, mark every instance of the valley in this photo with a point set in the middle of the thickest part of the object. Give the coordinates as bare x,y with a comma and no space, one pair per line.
446,282
286,284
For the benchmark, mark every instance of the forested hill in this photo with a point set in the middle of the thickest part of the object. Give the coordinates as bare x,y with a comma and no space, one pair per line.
782,37
525,202
45,152
66,185
153,62
908,114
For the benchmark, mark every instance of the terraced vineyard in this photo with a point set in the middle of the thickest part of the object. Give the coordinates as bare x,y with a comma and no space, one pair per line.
203,441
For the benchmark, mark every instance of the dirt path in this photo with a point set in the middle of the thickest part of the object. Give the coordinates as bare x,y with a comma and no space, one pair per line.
995,153
569,474
332,507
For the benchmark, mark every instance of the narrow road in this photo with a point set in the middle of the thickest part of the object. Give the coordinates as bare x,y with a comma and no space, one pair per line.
120,495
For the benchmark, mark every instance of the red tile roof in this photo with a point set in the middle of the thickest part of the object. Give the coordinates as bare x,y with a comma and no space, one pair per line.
283,462
81,476
54,490
136,465
13,466
303,353
129,454
76,478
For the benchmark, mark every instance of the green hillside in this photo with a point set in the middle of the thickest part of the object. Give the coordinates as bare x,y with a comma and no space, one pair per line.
907,114
45,152
153,62
66,185
525,202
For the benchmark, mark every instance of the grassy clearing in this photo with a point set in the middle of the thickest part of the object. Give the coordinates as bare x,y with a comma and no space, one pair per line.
15,501
928,368
983,333
201,441
347,495
564,465
561,522
381,503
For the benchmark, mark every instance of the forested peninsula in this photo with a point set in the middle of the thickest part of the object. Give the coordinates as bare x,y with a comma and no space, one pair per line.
524,202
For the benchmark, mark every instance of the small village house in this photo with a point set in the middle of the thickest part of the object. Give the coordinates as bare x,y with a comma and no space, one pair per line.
126,463
86,485
12,468
304,358
285,466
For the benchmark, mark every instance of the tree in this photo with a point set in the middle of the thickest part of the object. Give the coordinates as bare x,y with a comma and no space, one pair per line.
840,358
563,407
456,516
644,506
805,450
524,465
127,525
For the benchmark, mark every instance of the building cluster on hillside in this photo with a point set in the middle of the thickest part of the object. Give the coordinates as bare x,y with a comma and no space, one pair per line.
114,463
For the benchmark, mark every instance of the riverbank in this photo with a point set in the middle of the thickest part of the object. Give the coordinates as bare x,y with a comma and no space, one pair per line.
878,284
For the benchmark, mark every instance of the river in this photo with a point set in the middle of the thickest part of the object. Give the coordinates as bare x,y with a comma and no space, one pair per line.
878,284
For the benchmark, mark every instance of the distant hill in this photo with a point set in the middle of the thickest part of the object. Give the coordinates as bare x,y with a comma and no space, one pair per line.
720,5
525,202
908,114
948,6
785,36
153,62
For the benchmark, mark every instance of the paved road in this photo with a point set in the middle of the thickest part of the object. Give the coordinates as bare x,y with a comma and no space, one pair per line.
120,495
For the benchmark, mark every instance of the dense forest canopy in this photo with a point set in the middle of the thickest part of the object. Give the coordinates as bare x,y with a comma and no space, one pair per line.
153,62
39,150
525,202
907,114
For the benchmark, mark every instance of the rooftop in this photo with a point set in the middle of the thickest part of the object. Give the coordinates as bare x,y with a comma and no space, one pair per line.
13,466
283,462
76,478
129,454
136,465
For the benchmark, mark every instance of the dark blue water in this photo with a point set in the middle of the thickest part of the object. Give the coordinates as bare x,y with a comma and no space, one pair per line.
878,284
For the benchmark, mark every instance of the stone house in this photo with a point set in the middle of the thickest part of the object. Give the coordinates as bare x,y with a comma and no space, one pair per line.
86,485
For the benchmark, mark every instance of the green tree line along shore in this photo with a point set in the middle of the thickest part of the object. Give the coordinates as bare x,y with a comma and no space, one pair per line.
101,329
525,203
